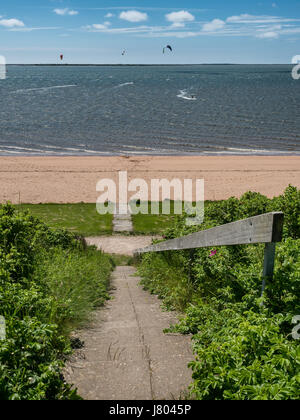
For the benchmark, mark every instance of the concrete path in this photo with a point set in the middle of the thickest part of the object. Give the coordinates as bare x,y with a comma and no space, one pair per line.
126,354
122,223
120,244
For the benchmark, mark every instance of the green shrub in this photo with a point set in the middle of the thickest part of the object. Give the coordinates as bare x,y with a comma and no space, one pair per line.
243,350
49,284
289,204
245,358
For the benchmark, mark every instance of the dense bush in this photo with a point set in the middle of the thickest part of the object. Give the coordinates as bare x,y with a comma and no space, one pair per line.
49,283
242,341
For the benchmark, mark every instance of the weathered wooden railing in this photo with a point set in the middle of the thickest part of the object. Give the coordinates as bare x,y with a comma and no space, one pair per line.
265,228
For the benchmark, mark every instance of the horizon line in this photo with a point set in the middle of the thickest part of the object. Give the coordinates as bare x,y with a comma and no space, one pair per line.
153,64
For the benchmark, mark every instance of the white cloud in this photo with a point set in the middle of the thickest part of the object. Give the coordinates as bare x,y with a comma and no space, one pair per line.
65,12
263,26
12,23
246,18
180,17
178,25
268,35
103,28
99,25
109,15
244,25
133,16
25,29
240,18
214,25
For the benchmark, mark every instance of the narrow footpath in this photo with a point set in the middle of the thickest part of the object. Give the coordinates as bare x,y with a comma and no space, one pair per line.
126,355
122,223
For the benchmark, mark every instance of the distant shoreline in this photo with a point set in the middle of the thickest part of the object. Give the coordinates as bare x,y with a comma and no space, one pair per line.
143,65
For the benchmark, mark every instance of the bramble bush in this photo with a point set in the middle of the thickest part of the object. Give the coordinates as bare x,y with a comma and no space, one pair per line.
242,341
49,284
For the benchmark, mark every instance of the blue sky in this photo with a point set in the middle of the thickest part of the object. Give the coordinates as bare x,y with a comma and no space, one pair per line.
200,31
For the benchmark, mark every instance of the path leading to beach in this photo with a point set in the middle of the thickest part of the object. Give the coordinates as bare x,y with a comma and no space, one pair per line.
126,355
120,244
122,223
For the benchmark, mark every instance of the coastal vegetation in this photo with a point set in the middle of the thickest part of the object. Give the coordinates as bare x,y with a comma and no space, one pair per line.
243,342
49,284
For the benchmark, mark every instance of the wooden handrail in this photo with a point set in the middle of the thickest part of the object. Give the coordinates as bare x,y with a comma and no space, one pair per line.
264,228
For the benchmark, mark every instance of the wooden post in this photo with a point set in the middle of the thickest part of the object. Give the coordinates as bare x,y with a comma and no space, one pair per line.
269,260
270,248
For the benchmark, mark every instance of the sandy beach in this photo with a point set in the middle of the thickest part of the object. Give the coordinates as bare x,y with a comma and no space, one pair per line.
74,179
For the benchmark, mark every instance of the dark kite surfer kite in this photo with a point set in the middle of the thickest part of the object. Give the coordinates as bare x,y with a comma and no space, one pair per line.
167,47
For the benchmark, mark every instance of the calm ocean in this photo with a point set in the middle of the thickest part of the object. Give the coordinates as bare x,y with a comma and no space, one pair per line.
91,110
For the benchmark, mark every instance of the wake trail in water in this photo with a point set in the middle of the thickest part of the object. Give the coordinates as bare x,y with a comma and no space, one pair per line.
44,89
184,95
124,84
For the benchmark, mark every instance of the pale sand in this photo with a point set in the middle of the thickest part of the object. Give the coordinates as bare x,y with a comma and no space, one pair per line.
74,179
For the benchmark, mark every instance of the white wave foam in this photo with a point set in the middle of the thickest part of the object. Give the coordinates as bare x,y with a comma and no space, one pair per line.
24,148
236,149
64,150
124,84
137,147
184,95
74,149
10,151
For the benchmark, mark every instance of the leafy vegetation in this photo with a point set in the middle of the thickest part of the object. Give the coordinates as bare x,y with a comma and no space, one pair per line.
49,284
242,341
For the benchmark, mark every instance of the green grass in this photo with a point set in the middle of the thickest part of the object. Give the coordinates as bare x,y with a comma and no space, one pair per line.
76,282
147,224
83,219
80,218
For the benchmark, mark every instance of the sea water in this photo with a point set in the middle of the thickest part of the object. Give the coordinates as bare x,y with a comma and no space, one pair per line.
165,110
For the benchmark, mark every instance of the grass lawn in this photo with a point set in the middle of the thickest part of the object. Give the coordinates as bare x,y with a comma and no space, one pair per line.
80,218
83,219
147,224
